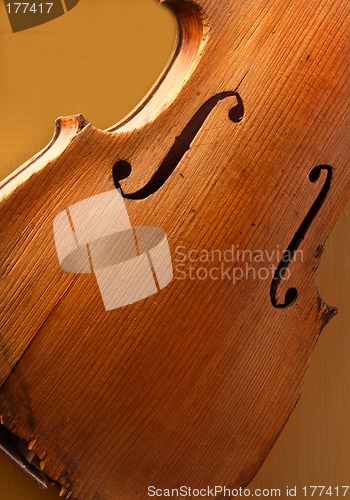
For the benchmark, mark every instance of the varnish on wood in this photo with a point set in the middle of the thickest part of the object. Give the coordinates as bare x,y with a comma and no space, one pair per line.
158,279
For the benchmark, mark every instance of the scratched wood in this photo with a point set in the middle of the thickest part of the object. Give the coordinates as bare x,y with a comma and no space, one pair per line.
194,384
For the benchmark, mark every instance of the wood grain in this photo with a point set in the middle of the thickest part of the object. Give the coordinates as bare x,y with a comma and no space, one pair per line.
195,384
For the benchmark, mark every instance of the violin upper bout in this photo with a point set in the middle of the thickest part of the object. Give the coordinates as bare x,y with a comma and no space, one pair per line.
66,128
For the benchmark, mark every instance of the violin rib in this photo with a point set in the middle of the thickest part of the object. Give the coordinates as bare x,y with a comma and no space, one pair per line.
159,301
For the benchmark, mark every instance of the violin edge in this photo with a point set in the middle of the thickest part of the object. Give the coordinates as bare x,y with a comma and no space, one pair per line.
192,36
66,129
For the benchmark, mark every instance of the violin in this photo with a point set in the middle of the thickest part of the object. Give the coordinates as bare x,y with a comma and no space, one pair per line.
159,303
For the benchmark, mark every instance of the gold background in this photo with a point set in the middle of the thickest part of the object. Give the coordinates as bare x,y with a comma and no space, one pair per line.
100,59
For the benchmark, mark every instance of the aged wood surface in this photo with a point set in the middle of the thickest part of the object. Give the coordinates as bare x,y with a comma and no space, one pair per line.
192,385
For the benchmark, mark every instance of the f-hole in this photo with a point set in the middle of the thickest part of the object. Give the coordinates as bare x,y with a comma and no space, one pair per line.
122,169
292,293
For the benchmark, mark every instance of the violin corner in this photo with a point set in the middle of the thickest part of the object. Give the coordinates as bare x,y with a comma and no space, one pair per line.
326,312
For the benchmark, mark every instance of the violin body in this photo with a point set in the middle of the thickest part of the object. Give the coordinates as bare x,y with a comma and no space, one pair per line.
180,363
